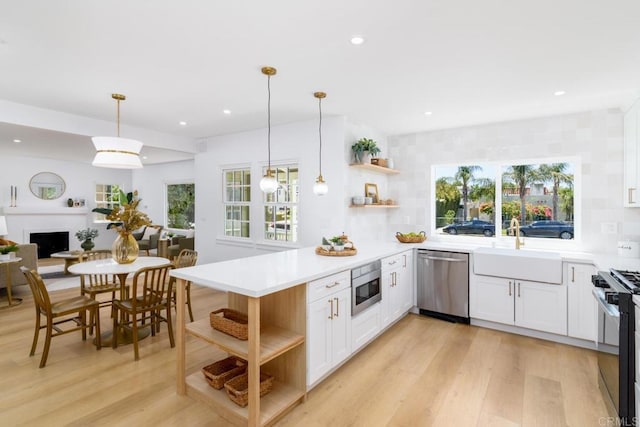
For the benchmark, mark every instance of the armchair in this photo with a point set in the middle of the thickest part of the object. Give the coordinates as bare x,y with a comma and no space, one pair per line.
150,237
178,244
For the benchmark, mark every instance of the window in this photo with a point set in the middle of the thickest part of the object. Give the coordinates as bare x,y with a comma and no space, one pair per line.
539,195
237,197
281,207
181,206
107,196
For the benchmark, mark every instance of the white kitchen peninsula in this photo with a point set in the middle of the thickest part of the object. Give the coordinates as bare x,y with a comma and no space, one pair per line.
271,289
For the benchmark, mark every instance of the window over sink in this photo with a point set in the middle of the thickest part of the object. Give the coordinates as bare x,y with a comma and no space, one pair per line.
481,199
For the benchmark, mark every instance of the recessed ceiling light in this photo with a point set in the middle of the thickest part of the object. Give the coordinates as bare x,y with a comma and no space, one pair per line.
17,141
428,113
144,157
559,93
226,111
183,123
357,40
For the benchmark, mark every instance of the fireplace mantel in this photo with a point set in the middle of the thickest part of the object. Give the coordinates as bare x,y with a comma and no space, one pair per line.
44,210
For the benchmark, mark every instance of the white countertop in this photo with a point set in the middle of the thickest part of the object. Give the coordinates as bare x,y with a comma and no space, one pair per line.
265,274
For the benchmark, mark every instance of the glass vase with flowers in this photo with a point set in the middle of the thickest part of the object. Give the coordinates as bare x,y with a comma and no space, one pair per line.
126,219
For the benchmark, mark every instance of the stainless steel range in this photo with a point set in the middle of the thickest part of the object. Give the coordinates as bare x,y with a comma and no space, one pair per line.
616,353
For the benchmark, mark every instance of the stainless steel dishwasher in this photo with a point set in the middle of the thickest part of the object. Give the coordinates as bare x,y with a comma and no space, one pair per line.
443,285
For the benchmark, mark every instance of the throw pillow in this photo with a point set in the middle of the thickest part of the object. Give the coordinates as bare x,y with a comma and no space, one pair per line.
148,232
190,233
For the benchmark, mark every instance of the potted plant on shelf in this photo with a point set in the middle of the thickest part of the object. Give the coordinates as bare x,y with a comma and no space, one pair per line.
86,237
364,149
5,251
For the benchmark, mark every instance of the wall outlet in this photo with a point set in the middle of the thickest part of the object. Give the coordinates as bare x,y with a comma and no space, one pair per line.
609,227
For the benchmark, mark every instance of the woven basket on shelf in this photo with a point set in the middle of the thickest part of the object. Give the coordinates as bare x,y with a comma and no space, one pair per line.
223,370
238,388
421,237
230,322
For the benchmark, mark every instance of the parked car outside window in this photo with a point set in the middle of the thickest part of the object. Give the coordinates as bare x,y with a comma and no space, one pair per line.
547,228
475,226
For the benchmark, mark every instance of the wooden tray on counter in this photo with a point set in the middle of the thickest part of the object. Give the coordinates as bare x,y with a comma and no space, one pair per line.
344,252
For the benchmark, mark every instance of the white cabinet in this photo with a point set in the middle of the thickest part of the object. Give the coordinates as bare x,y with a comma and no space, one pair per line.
328,324
632,156
582,309
532,305
365,326
397,286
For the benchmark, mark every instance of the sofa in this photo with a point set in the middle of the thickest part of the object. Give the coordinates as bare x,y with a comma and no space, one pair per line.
29,254
149,237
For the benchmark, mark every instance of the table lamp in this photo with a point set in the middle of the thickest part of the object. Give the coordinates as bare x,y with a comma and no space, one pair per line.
3,226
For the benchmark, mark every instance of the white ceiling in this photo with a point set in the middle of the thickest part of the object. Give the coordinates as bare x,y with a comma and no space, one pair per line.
467,61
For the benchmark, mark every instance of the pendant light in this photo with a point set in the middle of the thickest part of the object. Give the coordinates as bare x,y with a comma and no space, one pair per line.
116,152
269,183
320,188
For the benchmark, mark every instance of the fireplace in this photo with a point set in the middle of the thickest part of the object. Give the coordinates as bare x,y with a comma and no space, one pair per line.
51,242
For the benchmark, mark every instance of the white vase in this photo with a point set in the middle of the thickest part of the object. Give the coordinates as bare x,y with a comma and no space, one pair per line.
5,257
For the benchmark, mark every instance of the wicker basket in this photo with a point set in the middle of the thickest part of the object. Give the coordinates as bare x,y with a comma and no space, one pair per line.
379,162
223,370
230,322
421,237
238,388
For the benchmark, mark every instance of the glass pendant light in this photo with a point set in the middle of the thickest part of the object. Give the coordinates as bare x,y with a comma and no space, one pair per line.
116,152
320,188
269,183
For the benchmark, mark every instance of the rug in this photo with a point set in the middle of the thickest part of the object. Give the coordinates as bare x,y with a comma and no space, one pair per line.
54,275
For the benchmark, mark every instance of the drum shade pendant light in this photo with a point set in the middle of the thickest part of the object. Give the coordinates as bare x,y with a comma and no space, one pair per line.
269,183
116,152
320,187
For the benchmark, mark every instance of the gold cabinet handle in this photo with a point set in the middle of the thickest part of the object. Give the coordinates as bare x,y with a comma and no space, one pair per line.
331,313
509,287
332,286
337,307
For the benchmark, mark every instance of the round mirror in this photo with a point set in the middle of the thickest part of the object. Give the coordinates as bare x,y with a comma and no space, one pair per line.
47,185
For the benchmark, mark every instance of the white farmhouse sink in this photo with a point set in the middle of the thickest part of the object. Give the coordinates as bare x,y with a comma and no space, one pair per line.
518,264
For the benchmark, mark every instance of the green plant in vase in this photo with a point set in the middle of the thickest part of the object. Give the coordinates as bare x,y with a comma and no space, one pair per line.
86,237
363,147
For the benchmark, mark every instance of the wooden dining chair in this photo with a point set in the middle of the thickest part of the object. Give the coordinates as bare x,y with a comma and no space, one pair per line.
62,310
96,284
186,258
150,295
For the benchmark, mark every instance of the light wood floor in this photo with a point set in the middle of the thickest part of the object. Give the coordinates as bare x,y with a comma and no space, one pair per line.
422,372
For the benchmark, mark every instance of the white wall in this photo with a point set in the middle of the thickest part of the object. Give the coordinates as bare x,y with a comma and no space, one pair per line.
296,143
80,180
595,137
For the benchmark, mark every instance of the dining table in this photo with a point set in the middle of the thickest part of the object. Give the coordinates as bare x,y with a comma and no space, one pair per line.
122,271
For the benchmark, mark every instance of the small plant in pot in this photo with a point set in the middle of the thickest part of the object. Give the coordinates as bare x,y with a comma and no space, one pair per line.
86,237
5,251
326,245
338,243
364,149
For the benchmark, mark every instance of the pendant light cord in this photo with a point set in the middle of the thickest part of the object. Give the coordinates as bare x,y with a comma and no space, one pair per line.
320,131
268,123
118,108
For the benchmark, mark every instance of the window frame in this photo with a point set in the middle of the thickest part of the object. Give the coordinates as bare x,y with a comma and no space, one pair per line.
498,238
99,218
240,204
288,205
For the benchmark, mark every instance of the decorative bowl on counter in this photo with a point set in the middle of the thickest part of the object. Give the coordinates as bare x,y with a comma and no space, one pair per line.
357,200
411,237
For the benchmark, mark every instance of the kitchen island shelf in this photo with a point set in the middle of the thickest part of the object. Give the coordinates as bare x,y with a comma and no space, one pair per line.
374,168
274,341
272,405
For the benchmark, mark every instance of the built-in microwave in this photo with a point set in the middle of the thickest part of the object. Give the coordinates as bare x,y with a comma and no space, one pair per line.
365,287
